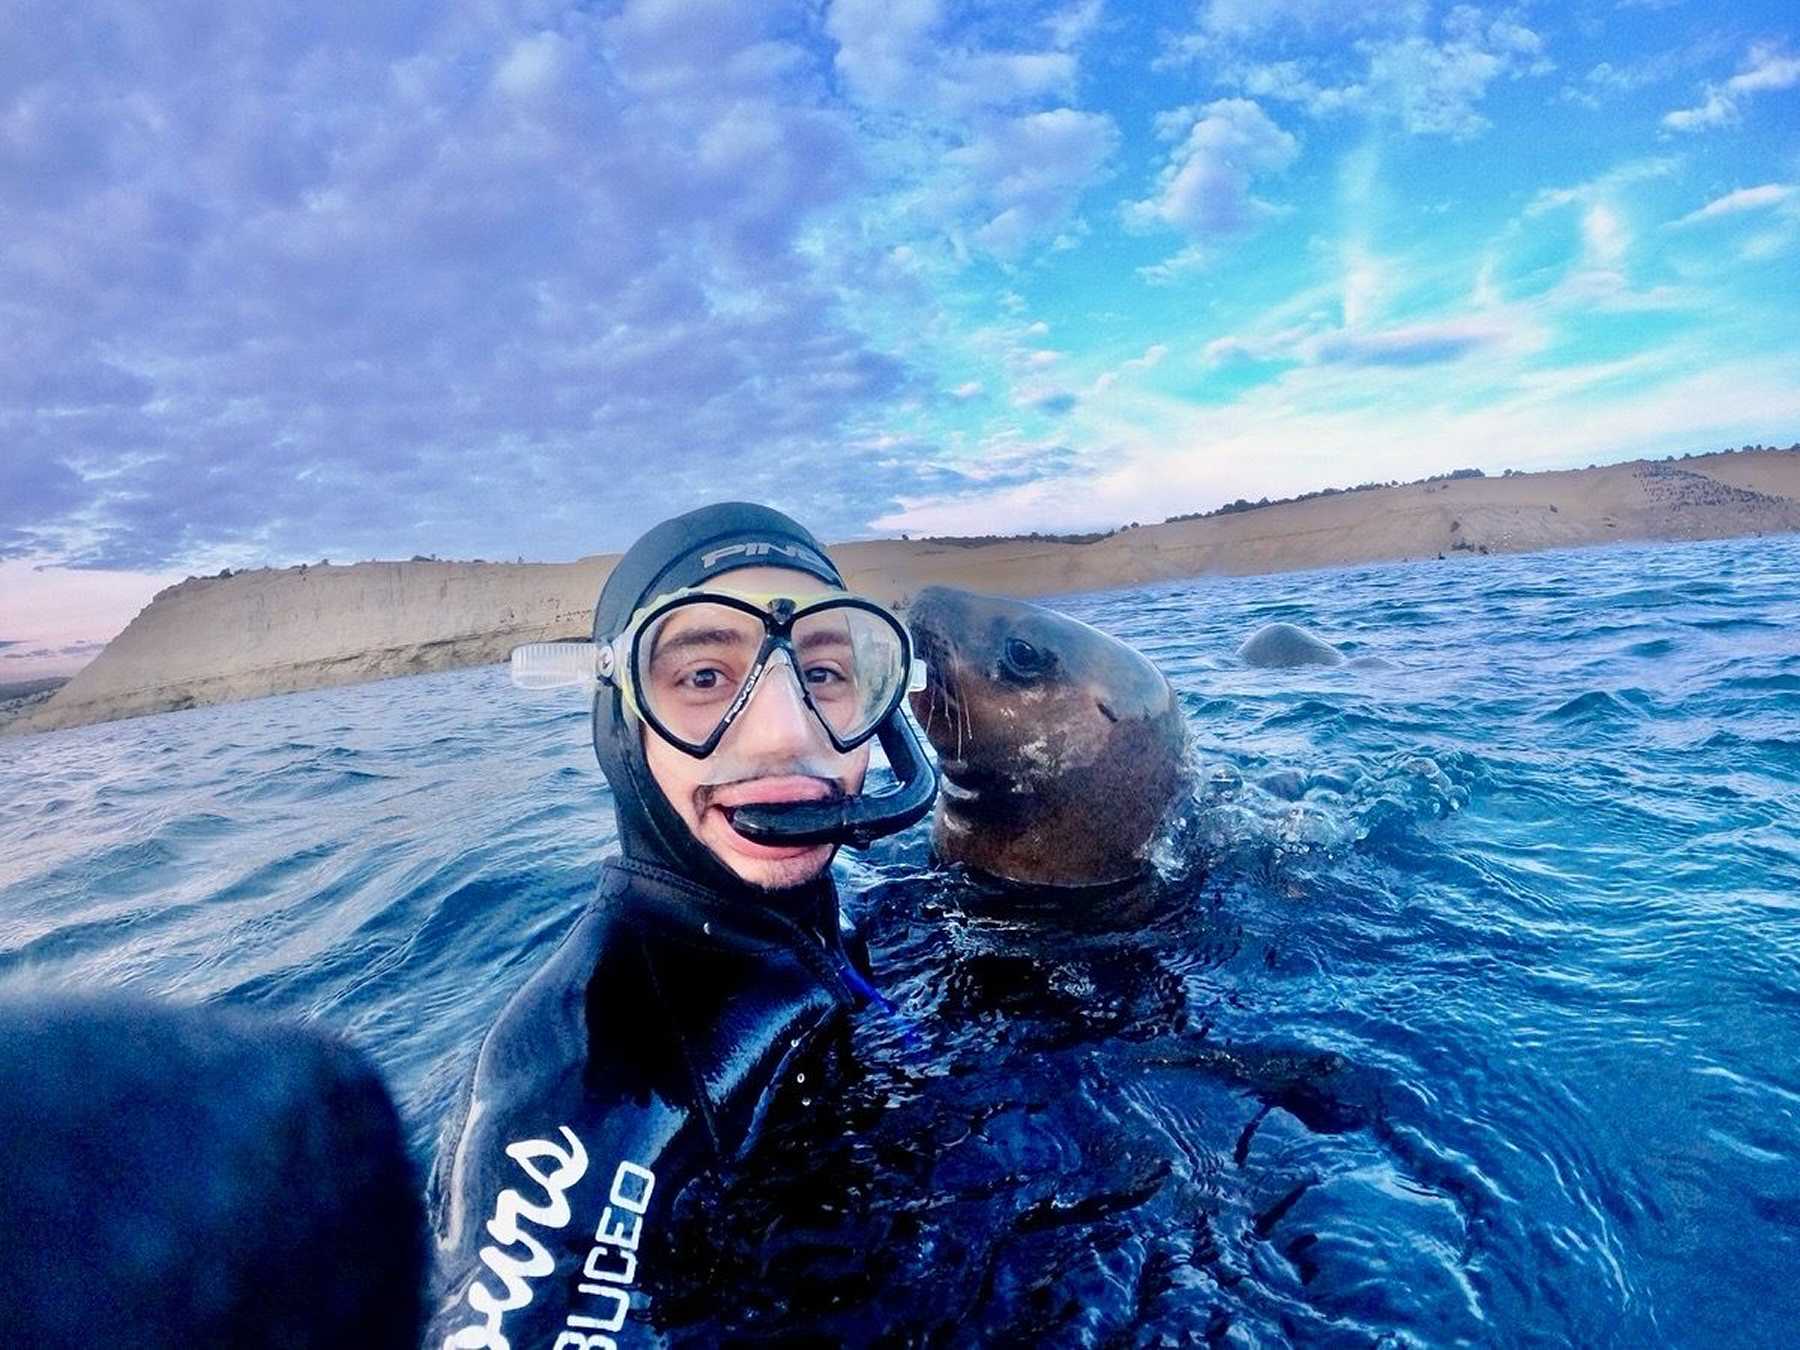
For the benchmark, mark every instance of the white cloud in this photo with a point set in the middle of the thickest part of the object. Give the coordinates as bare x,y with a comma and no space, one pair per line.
879,44
1025,173
289,290
1070,26
1604,187
1238,19
1365,280
1773,208
1766,68
1028,368
1744,199
1298,433
1289,82
1407,345
896,54
1204,189
533,66
1607,80
1004,459
974,80
967,390
1178,266
1769,68
1153,357
1768,244
1604,236
1715,111
1013,175
1596,278
1281,344
1434,87
1430,86
1417,344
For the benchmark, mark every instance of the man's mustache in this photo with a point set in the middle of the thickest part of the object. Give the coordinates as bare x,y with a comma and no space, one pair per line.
833,785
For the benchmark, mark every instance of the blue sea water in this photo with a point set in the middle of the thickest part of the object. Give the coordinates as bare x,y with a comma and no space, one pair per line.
1466,1009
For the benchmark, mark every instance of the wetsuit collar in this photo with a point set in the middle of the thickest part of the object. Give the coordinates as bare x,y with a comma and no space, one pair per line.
802,922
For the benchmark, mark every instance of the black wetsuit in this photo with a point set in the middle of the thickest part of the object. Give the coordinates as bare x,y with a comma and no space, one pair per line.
646,1049
652,1042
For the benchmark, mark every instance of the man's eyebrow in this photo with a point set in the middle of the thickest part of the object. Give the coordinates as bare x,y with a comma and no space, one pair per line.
696,637
823,637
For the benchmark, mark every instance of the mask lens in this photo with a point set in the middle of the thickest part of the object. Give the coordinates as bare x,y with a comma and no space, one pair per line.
851,661
691,663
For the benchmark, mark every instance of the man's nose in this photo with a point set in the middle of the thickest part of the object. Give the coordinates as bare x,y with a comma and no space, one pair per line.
776,719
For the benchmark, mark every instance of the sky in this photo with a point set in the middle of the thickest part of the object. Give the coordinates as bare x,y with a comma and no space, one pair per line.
282,282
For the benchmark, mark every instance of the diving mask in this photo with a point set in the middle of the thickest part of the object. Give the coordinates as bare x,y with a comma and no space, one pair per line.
688,663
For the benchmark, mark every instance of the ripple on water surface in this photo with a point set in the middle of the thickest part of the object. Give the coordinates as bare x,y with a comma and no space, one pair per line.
1463,1011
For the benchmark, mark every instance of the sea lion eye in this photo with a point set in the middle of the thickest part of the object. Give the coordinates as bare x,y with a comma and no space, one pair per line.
1022,659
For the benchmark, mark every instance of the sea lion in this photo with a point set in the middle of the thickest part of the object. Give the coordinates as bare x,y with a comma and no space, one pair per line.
1286,646
1061,749
1283,645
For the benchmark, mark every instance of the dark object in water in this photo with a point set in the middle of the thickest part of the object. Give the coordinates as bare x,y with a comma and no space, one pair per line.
186,1176
1284,645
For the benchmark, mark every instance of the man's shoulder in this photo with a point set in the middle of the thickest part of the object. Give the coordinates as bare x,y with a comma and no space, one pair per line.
552,1060
550,1010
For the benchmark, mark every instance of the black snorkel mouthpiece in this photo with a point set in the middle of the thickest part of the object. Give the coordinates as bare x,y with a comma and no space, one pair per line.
855,821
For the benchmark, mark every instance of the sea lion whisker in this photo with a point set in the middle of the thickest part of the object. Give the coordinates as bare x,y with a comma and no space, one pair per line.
957,705
965,728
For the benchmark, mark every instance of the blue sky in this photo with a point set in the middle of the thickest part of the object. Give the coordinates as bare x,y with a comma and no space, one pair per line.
282,283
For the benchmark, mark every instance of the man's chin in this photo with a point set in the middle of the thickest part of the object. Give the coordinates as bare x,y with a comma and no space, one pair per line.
784,874
769,866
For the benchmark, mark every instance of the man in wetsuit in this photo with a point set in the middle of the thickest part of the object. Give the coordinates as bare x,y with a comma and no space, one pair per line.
738,687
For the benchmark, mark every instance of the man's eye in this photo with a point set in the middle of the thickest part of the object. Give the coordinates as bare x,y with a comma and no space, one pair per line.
824,675
704,679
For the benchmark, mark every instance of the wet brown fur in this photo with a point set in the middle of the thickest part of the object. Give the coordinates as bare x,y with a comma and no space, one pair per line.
1073,771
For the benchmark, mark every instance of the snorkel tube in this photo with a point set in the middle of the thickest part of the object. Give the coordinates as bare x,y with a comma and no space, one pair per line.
854,821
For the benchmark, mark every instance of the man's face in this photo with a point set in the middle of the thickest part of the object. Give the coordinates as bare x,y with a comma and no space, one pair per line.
774,752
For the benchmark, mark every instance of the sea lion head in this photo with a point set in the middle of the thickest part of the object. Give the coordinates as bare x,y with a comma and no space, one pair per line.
1061,749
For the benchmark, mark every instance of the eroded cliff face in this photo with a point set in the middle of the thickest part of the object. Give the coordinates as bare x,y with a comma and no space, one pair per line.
211,640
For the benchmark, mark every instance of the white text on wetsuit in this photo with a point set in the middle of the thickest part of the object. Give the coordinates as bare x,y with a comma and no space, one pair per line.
530,1260
611,1263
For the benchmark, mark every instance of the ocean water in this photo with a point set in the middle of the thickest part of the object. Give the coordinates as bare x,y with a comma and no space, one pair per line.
1465,1008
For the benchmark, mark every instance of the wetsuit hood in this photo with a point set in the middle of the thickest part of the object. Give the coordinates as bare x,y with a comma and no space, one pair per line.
688,551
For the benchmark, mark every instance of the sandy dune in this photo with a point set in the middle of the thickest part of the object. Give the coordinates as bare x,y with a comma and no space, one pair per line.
266,632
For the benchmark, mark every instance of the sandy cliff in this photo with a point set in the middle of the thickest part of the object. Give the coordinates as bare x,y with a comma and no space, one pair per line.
210,640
